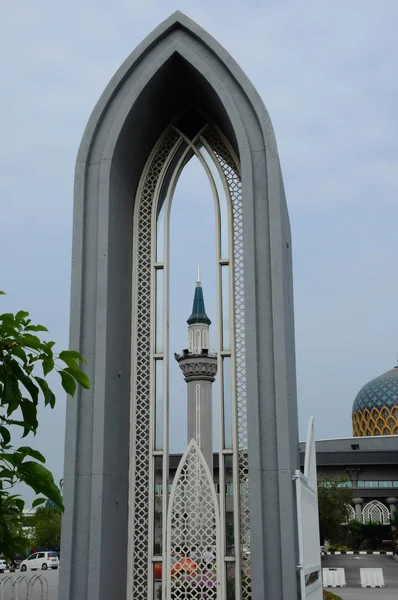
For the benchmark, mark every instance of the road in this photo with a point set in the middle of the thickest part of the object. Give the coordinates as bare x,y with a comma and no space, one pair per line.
351,564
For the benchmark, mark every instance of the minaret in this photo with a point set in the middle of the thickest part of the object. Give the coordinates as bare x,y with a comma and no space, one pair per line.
199,367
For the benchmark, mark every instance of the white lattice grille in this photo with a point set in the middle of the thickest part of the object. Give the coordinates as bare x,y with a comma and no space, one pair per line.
231,173
198,336
141,450
376,512
190,340
350,513
197,426
193,526
205,338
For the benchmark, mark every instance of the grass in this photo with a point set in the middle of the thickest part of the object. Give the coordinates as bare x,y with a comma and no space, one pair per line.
330,596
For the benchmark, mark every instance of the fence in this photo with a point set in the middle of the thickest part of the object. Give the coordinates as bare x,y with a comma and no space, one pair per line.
24,588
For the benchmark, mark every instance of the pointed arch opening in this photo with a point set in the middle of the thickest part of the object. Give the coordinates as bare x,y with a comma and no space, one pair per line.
376,512
115,441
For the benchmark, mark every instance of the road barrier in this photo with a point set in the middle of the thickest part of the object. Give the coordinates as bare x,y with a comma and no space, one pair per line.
24,588
333,577
372,578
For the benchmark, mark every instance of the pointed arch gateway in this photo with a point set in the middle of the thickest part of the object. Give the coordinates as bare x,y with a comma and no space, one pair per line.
177,89
193,524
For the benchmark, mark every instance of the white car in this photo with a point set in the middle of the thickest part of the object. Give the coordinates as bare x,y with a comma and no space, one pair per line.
40,560
3,565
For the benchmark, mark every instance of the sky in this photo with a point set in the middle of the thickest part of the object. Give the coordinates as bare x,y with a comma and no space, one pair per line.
327,75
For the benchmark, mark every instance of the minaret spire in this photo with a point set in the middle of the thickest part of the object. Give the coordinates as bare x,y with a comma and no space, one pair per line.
199,367
198,314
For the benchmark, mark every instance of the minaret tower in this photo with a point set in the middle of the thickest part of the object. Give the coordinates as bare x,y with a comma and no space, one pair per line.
199,367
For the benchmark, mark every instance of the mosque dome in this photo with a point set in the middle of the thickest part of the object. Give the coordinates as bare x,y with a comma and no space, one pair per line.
375,409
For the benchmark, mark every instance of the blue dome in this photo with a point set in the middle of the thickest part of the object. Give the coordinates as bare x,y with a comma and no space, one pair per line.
381,392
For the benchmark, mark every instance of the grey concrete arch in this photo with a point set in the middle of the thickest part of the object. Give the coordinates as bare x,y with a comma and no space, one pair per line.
176,66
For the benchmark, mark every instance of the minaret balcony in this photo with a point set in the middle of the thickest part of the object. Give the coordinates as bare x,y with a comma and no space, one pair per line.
201,365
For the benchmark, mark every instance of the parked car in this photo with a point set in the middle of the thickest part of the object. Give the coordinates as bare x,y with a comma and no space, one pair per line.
3,565
40,560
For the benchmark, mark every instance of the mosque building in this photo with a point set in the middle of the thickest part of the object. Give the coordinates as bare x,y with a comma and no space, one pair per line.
375,409
368,460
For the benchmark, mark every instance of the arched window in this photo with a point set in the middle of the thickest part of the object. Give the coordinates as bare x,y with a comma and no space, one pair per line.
198,348
351,516
205,339
376,512
190,340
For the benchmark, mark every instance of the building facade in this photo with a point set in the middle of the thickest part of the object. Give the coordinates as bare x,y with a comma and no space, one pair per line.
370,467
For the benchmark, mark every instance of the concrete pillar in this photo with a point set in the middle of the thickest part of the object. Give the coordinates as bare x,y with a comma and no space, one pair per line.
358,508
392,502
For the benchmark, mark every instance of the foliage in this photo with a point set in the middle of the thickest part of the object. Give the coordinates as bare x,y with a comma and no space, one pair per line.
339,548
374,533
245,574
12,538
355,534
47,528
394,518
330,596
333,500
23,354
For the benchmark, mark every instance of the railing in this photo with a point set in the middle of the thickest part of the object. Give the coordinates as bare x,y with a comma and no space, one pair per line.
24,588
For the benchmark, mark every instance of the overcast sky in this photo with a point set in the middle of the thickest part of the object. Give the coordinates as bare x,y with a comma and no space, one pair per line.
327,72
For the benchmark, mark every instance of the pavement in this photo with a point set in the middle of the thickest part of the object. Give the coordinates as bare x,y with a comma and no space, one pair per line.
366,594
50,578
353,562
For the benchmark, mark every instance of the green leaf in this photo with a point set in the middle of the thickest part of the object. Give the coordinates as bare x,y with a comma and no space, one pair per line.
48,365
18,351
32,341
38,501
5,434
11,394
80,377
72,354
6,474
49,397
36,328
2,293
40,480
27,451
25,380
68,383
69,361
29,413
7,318
21,314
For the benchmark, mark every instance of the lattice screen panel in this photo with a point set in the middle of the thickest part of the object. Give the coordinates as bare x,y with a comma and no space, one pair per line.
192,532
231,173
376,512
141,452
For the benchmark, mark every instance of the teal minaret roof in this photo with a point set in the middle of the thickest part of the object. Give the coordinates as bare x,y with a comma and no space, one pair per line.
198,309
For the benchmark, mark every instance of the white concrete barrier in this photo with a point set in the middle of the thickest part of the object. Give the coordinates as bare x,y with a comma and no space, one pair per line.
333,577
372,578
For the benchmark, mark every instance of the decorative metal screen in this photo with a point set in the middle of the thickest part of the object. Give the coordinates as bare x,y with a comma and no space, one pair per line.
350,513
190,552
232,176
193,525
141,446
376,512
